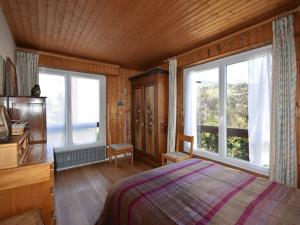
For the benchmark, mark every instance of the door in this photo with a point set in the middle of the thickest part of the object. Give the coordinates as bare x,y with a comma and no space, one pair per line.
138,118
54,87
85,112
149,120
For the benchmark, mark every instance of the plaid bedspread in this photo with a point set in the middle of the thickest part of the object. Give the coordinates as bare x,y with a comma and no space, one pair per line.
199,192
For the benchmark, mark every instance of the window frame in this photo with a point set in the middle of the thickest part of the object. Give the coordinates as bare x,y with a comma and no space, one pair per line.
69,145
222,64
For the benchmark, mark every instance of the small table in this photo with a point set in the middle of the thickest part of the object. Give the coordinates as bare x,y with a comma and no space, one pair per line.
121,148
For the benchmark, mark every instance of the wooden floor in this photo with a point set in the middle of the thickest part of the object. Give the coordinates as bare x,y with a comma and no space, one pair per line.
80,193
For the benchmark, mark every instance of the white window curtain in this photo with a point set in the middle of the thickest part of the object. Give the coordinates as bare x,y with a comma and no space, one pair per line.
189,96
259,106
172,105
283,137
27,70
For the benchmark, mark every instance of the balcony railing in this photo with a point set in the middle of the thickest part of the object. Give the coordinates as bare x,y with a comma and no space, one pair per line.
231,132
237,141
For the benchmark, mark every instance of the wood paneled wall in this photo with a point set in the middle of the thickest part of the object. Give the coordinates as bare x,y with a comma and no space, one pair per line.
118,88
233,44
76,64
244,40
119,117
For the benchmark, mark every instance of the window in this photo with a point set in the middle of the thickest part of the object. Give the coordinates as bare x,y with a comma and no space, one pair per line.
75,108
53,86
227,109
207,95
237,111
85,99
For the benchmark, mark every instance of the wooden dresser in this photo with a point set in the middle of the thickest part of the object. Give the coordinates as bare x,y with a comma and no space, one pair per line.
14,151
32,110
29,185
149,115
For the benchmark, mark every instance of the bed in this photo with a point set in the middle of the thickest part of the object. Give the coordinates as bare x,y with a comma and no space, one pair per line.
199,192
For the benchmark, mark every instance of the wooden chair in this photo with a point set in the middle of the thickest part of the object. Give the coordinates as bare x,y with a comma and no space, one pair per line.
117,149
178,155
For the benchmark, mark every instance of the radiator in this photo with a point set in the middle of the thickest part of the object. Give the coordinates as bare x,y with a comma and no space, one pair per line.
65,159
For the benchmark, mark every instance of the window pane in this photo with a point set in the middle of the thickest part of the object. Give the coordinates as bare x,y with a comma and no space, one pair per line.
237,111
85,110
207,116
53,87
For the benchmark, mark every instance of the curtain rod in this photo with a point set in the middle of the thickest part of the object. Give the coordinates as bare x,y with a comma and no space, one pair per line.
282,14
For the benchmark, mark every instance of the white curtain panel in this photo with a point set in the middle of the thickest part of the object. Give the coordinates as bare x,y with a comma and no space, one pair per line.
172,105
27,69
259,106
283,137
189,96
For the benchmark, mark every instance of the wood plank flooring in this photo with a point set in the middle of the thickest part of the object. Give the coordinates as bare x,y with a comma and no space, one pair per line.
80,193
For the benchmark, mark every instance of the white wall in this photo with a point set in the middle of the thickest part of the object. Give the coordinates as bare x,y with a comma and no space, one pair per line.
7,43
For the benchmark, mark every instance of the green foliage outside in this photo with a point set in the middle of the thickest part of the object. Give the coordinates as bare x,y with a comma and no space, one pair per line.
237,117
238,147
209,141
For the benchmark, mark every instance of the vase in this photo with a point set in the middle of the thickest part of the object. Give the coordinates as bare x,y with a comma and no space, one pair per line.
36,91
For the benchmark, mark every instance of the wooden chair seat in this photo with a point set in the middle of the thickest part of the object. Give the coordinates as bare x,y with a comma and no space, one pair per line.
179,155
176,156
120,148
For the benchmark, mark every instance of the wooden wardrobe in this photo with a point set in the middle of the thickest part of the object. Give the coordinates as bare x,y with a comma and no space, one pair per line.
149,115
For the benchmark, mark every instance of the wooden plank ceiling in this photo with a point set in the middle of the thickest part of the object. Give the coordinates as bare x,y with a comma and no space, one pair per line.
132,33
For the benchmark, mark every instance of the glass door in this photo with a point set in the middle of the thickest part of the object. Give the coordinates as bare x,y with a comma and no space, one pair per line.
207,109
85,103
53,86
237,111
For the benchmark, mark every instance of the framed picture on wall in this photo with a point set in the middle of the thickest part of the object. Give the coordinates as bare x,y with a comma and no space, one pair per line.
11,84
14,82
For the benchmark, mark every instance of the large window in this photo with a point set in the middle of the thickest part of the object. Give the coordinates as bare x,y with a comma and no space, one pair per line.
207,95
75,108
237,110
227,109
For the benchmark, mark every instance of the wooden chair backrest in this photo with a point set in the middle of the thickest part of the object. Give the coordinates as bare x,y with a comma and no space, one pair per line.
184,138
